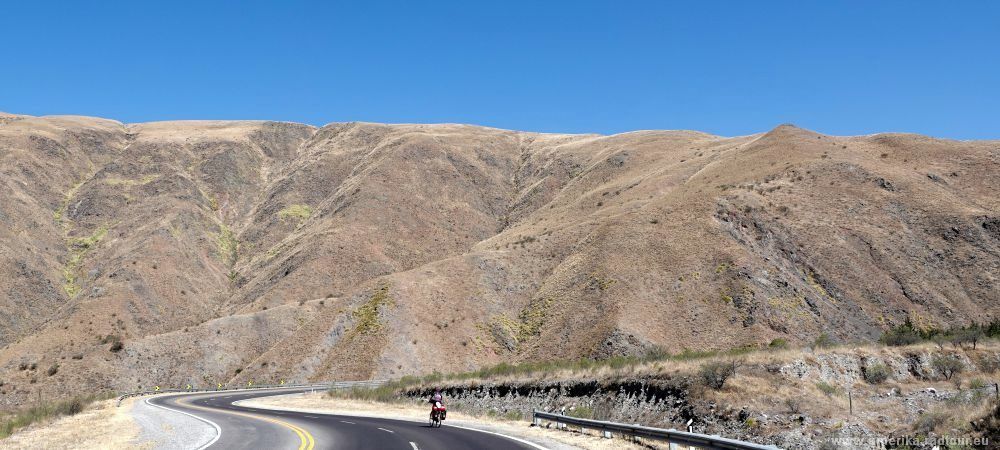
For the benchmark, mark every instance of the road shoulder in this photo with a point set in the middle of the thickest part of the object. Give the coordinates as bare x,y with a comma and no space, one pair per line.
165,428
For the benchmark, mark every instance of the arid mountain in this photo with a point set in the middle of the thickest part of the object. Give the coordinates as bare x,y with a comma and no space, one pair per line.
169,253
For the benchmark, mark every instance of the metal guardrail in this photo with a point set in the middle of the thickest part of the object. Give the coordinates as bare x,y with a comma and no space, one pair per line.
670,436
318,386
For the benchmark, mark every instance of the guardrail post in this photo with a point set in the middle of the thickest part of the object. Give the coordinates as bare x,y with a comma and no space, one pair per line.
607,435
535,421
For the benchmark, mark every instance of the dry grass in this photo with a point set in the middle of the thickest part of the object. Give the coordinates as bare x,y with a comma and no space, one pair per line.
102,426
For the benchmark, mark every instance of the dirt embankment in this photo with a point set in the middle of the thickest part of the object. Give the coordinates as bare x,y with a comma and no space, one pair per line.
798,400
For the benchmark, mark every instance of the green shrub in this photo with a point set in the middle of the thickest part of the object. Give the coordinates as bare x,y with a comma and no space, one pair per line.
826,388
876,373
514,415
905,334
581,412
992,329
823,341
966,335
298,212
947,365
778,343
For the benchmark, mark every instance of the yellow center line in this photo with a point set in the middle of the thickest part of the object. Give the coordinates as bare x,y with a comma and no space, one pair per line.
307,442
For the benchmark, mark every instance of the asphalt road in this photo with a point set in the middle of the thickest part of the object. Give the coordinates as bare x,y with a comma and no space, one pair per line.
254,428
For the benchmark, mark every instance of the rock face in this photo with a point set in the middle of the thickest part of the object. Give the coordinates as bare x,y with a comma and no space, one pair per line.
222,252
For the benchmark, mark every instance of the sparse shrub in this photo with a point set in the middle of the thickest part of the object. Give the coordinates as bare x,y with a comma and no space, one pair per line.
930,421
826,388
54,369
385,393
989,425
794,405
656,353
947,365
876,373
778,343
10,424
967,335
297,212
823,341
116,342
715,373
514,415
939,340
977,383
433,377
988,364
74,406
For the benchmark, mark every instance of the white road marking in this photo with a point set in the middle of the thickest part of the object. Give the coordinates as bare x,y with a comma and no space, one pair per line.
218,431
311,417
383,429
414,445
523,441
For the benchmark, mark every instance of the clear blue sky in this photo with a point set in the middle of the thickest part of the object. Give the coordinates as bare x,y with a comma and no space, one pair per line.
729,68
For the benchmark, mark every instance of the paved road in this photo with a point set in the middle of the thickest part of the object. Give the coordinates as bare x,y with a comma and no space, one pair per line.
254,428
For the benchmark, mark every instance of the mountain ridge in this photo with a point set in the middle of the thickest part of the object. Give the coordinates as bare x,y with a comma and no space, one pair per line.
224,251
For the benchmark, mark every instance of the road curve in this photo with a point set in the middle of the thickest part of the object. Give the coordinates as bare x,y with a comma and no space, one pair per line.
241,427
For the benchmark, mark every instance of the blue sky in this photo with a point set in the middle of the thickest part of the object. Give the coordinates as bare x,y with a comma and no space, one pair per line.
730,68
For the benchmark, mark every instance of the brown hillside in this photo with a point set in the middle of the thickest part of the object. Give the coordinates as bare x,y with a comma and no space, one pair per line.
356,250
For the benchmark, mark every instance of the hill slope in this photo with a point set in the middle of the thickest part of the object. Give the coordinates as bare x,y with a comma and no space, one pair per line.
220,252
